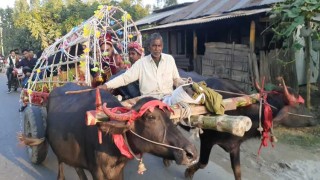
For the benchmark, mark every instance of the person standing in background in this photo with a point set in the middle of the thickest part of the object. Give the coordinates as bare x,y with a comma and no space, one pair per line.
10,64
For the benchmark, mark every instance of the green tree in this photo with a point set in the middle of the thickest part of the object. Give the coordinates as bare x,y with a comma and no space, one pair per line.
21,6
50,19
34,4
134,8
286,17
170,3
164,3
14,37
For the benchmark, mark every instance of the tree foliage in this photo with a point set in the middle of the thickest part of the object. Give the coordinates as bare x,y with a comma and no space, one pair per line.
134,8
164,3
38,24
13,37
288,15
170,3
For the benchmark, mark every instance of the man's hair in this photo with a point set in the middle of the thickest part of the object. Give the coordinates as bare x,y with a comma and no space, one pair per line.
25,50
12,51
153,37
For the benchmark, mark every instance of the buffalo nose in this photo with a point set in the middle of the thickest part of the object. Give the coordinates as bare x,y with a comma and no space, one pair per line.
191,152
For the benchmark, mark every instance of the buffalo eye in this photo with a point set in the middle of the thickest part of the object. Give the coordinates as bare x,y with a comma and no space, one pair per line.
150,117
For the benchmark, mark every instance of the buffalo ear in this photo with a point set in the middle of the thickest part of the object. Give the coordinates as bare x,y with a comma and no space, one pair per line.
113,127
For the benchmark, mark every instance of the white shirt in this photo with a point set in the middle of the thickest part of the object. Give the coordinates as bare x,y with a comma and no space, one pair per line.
153,80
13,61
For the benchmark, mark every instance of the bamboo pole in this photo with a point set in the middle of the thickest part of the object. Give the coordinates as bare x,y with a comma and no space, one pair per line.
252,47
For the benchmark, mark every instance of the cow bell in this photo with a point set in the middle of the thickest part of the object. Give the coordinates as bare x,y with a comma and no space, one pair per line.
141,167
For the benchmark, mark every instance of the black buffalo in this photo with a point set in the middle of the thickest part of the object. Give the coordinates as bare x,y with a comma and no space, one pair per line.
77,145
286,110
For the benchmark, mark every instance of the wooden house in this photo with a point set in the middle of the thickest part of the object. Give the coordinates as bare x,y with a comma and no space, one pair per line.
226,39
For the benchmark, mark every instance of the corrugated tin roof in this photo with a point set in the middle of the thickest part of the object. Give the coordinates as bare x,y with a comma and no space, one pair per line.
203,8
155,17
210,18
255,3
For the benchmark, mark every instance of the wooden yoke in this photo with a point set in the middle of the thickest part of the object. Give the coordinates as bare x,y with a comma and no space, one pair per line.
236,125
229,104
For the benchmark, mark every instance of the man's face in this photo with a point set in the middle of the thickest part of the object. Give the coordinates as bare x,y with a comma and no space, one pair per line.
25,54
156,47
134,56
13,54
106,48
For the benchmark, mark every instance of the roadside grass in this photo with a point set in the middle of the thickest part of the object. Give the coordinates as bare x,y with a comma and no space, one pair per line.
308,137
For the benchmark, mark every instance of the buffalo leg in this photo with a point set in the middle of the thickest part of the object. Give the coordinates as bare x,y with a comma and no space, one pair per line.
235,162
81,174
205,149
97,174
166,162
61,172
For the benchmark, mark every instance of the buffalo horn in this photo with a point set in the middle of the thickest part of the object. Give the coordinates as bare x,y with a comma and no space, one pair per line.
98,100
257,86
291,99
116,116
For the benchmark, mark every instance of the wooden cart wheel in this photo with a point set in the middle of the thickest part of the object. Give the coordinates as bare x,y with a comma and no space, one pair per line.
35,126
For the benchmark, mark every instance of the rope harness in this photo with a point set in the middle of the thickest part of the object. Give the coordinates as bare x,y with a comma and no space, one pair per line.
121,141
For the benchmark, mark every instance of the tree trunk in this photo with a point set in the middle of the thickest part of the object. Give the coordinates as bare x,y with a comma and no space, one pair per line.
308,60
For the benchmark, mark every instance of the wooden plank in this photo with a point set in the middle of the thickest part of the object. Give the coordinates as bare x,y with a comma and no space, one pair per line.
255,67
264,67
224,45
221,57
226,52
240,66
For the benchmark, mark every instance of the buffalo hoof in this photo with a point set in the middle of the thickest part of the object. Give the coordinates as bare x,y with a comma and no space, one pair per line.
166,162
188,174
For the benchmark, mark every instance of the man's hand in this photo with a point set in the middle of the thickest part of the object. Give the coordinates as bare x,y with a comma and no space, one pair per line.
104,87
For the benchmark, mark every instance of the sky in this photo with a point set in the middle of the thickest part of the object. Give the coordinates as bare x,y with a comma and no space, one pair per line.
10,3
5,3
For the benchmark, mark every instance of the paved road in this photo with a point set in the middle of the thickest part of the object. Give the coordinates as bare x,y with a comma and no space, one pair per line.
15,164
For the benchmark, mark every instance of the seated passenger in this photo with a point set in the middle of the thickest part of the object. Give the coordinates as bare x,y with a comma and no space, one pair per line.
27,64
132,89
112,63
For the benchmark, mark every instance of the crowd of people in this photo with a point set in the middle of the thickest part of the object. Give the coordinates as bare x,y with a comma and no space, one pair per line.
18,69
17,64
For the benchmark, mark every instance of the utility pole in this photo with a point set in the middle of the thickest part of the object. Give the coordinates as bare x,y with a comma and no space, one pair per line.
1,37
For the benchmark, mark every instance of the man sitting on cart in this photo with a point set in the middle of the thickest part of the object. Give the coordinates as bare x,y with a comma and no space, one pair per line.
27,64
132,89
157,73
